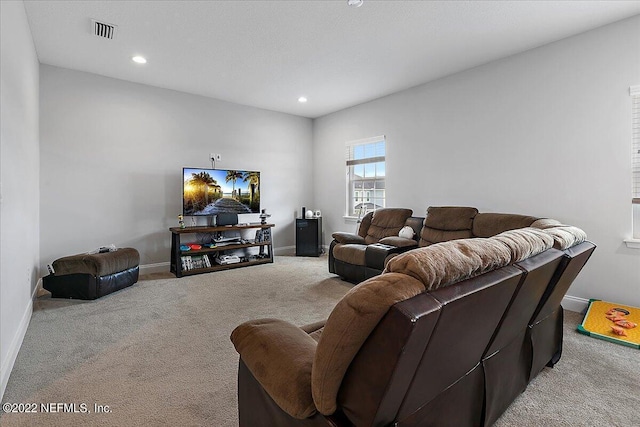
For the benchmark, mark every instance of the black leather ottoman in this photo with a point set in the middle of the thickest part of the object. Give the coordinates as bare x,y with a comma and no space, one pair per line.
92,276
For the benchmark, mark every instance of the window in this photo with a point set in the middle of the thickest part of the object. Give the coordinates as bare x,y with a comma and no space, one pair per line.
635,158
365,175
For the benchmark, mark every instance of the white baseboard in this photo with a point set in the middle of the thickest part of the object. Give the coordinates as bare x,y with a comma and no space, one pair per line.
16,343
285,250
158,267
577,304
291,250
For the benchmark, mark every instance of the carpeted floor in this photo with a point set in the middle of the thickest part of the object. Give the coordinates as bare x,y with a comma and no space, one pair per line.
159,353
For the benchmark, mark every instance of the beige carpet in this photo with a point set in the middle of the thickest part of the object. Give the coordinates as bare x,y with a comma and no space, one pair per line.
159,353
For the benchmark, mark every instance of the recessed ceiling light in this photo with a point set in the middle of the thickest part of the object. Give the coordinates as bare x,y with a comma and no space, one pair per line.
139,59
355,3
302,99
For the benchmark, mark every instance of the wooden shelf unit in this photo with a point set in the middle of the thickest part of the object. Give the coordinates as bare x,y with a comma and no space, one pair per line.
177,254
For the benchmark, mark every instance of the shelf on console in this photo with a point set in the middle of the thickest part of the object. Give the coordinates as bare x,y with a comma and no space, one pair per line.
205,229
224,248
177,254
226,266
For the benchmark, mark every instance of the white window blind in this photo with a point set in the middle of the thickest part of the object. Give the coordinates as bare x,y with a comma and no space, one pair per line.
635,145
365,162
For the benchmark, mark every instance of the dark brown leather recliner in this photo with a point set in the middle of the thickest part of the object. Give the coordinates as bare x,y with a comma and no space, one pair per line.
545,327
449,334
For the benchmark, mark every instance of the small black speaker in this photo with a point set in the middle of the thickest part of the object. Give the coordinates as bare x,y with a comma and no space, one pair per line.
227,219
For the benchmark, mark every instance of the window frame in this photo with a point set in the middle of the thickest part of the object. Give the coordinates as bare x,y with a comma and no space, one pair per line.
365,193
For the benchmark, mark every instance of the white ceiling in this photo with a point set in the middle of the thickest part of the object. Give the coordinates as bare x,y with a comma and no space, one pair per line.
268,53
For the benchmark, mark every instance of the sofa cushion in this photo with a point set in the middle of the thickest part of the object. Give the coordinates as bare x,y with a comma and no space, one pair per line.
566,236
386,222
447,223
450,262
348,326
351,254
490,224
524,242
544,223
430,236
279,355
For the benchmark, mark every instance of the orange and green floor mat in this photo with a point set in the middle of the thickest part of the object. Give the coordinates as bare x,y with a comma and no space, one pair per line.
612,322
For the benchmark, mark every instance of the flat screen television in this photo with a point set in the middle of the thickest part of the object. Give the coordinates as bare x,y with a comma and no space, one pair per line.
216,191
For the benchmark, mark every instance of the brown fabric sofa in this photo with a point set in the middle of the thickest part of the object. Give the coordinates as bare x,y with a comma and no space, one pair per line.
356,257
448,334
441,224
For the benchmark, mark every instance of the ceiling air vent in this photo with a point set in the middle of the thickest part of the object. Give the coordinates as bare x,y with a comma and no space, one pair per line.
102,29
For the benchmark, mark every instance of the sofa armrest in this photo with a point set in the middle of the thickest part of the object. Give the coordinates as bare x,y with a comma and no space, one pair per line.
399,242
348,238
279,355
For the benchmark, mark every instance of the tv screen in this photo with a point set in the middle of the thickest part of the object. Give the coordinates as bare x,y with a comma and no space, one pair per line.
215,191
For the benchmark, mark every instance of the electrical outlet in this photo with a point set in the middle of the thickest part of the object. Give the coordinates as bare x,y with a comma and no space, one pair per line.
216,157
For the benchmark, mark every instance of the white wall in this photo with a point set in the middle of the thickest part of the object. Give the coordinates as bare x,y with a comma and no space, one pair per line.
19,184
546,132
113,151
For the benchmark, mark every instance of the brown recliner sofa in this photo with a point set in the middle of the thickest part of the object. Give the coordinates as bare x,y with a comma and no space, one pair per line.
356,257
448,334
441,224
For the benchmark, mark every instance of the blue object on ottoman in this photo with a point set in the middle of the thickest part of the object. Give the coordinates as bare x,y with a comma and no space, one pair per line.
91,276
